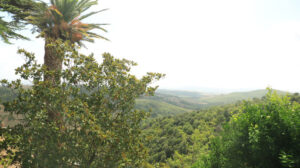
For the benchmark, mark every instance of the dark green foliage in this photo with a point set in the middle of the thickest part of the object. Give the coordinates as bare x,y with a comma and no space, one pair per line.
95,128
264,135
180,140
18,10
295,97
7,94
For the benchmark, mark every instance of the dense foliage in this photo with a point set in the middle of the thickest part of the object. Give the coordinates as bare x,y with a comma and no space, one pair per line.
178,141
263,135
98,128
7,94
16,12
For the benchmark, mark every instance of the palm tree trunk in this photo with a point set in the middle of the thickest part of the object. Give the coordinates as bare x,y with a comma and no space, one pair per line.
53,63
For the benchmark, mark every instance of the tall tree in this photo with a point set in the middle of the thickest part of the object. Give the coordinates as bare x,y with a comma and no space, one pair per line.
18,10
62,19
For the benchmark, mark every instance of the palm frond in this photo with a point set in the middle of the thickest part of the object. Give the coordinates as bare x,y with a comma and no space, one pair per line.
62,19
91,13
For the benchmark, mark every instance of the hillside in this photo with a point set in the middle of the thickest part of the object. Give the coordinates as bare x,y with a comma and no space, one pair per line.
184,137
180,93
184,102
190,137
159,108
169,102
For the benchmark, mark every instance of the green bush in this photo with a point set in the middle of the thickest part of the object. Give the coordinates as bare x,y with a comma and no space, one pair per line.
263,135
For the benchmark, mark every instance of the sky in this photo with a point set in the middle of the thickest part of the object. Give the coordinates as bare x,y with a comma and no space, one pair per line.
199,44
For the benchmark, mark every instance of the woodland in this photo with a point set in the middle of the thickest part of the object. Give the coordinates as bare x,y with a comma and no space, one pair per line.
78,112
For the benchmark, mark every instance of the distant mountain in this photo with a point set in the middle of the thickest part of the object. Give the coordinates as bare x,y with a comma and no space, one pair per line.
235,96
180,93
191,103
169,102
212,90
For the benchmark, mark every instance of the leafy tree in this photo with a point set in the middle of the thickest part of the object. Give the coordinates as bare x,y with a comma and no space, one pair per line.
264,135
98,126
19,10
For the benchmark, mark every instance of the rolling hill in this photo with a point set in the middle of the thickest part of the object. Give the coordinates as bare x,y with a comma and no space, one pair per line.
159,108
168,102
235,96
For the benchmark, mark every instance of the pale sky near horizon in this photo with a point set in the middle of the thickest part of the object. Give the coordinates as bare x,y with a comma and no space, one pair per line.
227,44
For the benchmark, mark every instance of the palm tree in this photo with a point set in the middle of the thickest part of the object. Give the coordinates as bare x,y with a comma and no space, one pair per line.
62,19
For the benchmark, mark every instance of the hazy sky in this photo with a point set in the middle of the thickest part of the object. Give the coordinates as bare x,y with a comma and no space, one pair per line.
228,44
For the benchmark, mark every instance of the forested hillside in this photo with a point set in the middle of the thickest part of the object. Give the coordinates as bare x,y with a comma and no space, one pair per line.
178,141
159,108
169,102
190,139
